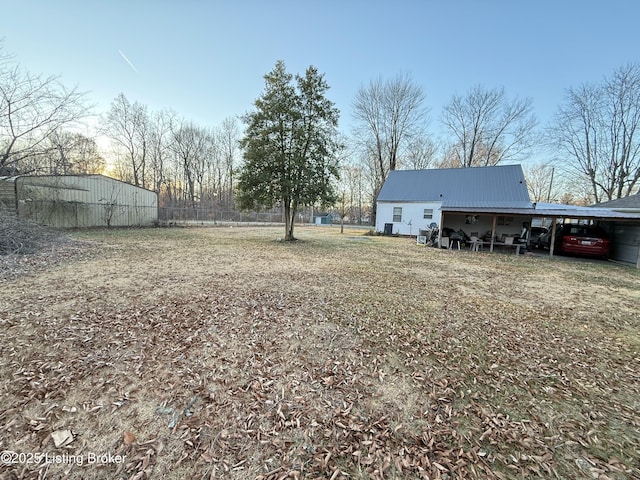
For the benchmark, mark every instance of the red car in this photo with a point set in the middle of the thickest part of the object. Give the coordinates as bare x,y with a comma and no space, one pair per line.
579,240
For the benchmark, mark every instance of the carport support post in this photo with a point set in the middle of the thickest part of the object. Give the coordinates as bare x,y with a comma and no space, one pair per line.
493,231
553,236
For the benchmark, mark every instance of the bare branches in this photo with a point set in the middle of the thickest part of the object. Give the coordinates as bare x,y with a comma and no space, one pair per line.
487,128
73,153
192,147
389,116
598,131
228,138
32,107
186,164
127,125
160,142
19,236
543,183
420,153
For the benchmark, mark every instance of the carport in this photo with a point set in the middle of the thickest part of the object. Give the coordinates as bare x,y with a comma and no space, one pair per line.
555,212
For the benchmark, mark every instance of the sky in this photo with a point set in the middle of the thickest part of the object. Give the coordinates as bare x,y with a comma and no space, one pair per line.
206,59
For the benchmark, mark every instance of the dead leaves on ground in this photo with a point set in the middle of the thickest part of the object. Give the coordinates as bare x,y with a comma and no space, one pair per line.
242,381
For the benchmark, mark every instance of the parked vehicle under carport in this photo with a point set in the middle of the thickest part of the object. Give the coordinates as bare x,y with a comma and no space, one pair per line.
573,239
536,233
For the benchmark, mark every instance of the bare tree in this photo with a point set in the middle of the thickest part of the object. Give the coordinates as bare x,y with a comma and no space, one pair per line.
32,107
598,131
160,138
540,182
127,125
351,192
389,116
191,146
622,95
73,153
110,204
369,178
420,154
214,176
487,128
229,143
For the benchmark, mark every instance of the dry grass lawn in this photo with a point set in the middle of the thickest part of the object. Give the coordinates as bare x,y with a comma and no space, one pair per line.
223,353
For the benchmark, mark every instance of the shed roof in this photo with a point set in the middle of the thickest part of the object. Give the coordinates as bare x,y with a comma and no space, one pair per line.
502,186
60,181
631,202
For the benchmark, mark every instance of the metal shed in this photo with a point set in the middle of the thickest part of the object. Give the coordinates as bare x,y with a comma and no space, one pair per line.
324,219
626,236
76,201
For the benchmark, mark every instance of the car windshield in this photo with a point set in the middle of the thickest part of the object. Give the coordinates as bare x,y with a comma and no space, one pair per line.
584,231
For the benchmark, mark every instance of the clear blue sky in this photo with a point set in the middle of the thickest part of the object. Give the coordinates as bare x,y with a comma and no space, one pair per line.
206,59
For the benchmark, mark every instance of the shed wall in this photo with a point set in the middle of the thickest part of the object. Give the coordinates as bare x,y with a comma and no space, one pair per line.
85,201
625,243
7,197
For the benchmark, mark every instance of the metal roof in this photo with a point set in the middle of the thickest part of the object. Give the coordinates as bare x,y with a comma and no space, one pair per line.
500,186
630,202
59,180
550,211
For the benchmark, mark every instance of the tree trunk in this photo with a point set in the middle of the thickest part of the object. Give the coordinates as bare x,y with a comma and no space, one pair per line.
287,208
289,216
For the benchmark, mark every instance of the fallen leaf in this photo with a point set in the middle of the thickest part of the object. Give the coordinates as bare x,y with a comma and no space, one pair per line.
62,438
129,438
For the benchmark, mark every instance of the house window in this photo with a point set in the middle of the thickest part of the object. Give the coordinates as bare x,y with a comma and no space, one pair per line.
397,214
428,213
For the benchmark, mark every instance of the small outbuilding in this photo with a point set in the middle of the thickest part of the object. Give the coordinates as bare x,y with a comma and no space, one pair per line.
77,201
625,235
326,219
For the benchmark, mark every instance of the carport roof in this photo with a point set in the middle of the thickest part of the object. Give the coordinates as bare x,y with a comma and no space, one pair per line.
550,210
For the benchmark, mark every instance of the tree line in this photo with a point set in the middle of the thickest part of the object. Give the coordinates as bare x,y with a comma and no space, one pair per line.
188,165
592,143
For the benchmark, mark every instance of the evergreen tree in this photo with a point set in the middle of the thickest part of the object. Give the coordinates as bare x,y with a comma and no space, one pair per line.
290,146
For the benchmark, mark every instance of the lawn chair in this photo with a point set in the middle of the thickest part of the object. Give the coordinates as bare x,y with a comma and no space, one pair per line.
476,244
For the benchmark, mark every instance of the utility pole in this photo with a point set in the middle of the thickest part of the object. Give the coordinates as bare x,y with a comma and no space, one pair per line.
553,169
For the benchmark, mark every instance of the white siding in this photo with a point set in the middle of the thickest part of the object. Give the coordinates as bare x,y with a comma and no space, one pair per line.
412,220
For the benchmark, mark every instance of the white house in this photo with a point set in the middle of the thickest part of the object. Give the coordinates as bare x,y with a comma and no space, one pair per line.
493,202
411,200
